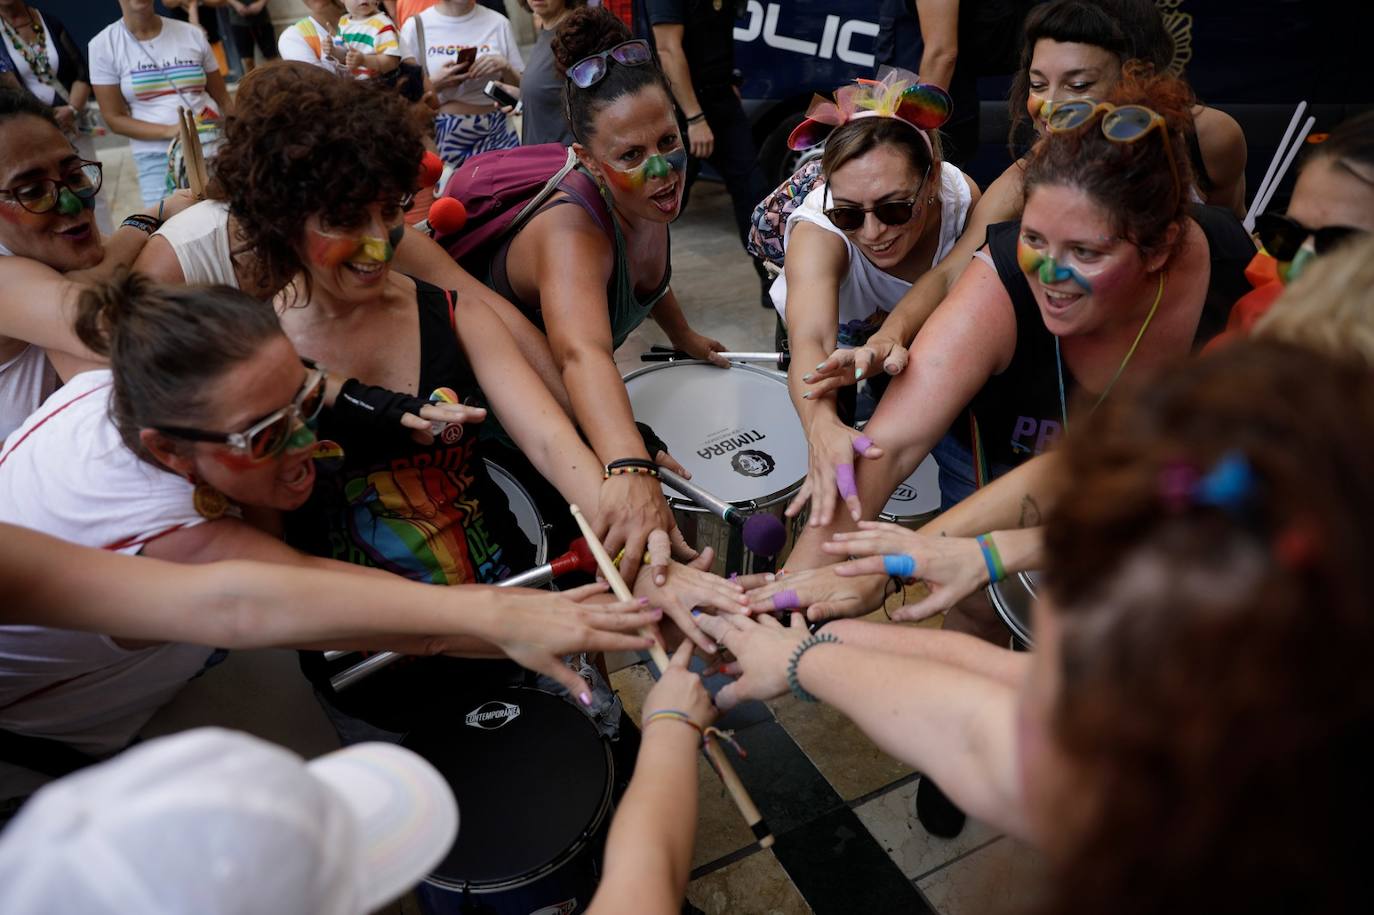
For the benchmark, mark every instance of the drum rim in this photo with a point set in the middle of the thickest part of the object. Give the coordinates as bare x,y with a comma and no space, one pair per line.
541,549
1018,629
745,505
578,845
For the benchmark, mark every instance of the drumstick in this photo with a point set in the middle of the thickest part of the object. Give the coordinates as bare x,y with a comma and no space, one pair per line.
190,153
1255,208
714,754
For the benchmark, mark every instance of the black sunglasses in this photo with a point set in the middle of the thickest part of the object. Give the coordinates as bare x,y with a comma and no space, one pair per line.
890,212
1282,236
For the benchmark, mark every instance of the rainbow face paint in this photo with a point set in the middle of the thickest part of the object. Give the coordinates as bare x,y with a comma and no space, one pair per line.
328,250
1046,268
68,204
655,166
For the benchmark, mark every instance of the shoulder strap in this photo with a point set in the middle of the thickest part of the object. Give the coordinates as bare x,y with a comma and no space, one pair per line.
527,211
420,44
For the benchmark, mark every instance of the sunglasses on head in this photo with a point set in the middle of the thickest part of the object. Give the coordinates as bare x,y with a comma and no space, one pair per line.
41,195
889,213
269,436
1120,124
589,71
1282,236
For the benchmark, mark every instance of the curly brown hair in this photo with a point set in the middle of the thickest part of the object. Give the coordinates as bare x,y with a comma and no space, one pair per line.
1134,181
304,141
1211,692
587,31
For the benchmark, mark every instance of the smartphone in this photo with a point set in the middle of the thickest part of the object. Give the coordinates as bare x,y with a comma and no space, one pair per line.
467,55
501,96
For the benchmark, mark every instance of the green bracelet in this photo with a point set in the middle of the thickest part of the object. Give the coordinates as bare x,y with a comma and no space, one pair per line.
993,559
807,644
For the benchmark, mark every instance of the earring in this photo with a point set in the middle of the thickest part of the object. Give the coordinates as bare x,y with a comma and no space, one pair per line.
209,502
930,201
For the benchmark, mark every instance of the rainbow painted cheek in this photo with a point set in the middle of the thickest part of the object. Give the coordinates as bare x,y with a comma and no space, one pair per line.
1049,271
329,251
657,166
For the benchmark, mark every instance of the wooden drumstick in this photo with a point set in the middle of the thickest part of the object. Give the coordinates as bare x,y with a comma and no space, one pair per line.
714,754
191,152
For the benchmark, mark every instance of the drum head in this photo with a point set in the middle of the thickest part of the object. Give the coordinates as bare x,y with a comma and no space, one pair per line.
918,494
523,508
1013,598
735,429
530,774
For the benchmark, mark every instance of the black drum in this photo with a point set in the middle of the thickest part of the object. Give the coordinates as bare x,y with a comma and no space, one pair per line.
533,782
1012,597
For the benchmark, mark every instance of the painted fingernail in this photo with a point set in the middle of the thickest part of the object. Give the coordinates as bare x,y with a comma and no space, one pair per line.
819,366
656,613
585,698
862,444
806,395
858,374
771,577
644,601
808,376
696,613
734,575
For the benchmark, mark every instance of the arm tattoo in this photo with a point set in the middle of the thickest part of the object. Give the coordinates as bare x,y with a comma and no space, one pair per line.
1030,512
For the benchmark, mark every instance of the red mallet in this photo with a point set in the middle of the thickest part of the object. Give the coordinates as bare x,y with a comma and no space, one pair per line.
447,215
431,167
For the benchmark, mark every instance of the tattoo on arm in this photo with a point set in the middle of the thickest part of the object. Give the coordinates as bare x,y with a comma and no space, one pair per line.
1030,512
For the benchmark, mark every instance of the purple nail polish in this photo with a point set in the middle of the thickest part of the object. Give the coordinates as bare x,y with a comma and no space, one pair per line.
585,698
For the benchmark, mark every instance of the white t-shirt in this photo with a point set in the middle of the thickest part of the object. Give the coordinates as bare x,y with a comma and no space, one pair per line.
43,91
158,75
66,472
199,235
25,381
484,29
867,293
308,42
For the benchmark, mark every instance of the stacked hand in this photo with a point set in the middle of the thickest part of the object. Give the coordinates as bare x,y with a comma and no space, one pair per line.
689,587
833,447
762,649
821,593
633,515
845,367
536,629
680,690
952,567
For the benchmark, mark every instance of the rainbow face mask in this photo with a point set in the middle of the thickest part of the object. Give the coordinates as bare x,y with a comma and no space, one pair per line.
1045,267
330,250
655,166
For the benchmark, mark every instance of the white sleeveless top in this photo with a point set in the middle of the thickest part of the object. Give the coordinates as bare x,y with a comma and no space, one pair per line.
199,235
867,293
67,472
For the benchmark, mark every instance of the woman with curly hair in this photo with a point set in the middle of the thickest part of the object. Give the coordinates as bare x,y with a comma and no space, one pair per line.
1191,699
423,507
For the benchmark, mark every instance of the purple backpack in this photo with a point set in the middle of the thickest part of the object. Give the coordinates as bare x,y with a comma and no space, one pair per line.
502,189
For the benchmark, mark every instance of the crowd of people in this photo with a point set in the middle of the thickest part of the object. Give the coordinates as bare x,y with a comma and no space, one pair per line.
278,413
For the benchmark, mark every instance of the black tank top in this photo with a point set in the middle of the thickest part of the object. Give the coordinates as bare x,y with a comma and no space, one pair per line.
1018,412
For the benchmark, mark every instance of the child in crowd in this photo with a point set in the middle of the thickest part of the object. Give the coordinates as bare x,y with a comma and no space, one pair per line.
368,39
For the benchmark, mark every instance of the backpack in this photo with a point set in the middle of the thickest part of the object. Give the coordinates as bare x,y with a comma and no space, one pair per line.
769,221
502,189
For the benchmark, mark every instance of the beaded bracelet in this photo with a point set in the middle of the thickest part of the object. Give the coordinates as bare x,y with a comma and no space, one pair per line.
623,471
993,559
807,644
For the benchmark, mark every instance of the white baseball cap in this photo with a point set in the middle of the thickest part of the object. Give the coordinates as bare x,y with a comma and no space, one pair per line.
217,822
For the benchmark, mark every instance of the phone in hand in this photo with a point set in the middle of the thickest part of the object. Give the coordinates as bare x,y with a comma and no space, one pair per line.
501,96
466,56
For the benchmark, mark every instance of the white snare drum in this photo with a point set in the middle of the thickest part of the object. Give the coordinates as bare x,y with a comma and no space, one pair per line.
522,507
735,429
917,499
1012,598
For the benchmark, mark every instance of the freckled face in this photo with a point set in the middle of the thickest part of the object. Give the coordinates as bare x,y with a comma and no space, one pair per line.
1080,271
1061,70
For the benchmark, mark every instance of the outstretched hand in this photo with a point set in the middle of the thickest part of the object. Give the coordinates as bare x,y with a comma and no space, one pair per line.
762,649
846,367
952,567
821,593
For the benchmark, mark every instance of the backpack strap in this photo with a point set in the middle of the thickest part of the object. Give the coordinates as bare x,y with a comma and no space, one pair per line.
527,211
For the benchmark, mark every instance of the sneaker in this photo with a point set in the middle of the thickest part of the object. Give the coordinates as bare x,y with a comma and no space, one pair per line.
937,812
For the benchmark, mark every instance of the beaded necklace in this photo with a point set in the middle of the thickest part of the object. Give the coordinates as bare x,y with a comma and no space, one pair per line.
36,54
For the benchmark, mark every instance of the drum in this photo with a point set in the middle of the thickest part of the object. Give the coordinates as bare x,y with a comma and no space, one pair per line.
917,499
735,429
533,783
1012,598
523,508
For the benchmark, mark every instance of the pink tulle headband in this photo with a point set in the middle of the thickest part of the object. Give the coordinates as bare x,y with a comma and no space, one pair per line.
894,94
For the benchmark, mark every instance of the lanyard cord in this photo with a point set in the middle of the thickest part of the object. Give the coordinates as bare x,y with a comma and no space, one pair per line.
1059,362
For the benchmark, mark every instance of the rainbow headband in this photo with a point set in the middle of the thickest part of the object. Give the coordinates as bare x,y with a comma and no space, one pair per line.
894,94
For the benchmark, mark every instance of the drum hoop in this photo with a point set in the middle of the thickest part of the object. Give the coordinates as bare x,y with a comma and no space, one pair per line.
541,547
1004,611
579,844
745,505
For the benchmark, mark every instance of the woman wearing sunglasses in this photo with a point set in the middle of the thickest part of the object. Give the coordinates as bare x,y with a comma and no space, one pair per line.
588,277
886,212
202,420
47,230
1332,203
1073,49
